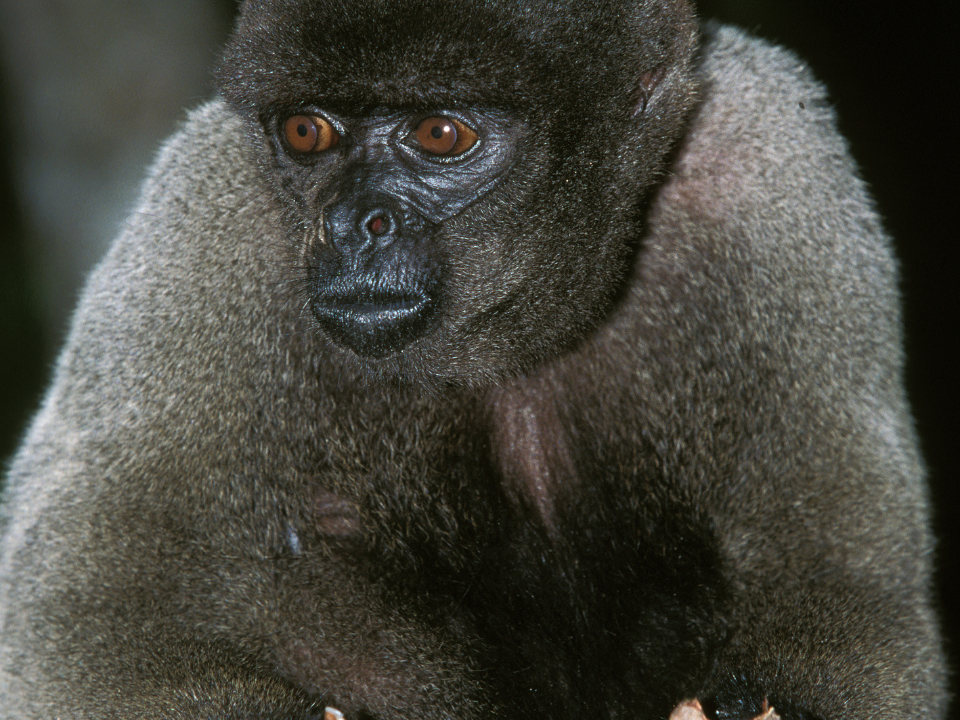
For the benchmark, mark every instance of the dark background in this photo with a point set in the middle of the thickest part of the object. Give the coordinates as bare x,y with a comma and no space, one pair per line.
89,87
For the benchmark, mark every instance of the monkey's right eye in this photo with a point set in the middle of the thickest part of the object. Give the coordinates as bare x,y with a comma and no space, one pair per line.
309,133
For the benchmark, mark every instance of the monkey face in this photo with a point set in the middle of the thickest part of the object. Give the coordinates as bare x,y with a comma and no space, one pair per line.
464,196
373,252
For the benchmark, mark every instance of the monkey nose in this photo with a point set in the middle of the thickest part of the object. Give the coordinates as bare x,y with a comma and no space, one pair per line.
365,228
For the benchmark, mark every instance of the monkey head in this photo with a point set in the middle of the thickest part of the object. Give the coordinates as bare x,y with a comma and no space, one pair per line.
464,187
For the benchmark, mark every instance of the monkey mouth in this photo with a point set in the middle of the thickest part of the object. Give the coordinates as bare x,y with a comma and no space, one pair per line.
374,323
377,307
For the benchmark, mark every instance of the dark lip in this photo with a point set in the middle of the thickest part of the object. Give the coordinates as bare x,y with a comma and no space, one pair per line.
375,321
376,303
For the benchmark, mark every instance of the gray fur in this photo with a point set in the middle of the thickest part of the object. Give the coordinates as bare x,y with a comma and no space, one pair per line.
155,561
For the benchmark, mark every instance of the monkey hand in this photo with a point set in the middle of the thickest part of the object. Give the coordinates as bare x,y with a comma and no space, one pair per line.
692,710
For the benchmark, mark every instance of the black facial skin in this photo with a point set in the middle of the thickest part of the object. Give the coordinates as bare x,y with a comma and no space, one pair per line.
370,224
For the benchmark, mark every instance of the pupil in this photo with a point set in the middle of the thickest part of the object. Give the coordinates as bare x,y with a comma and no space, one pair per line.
436,132
302,130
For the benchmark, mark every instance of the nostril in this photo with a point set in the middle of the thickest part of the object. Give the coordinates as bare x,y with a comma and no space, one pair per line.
378,225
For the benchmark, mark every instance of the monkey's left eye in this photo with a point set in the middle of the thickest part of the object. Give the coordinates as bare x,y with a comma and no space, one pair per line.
444,136
309,133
